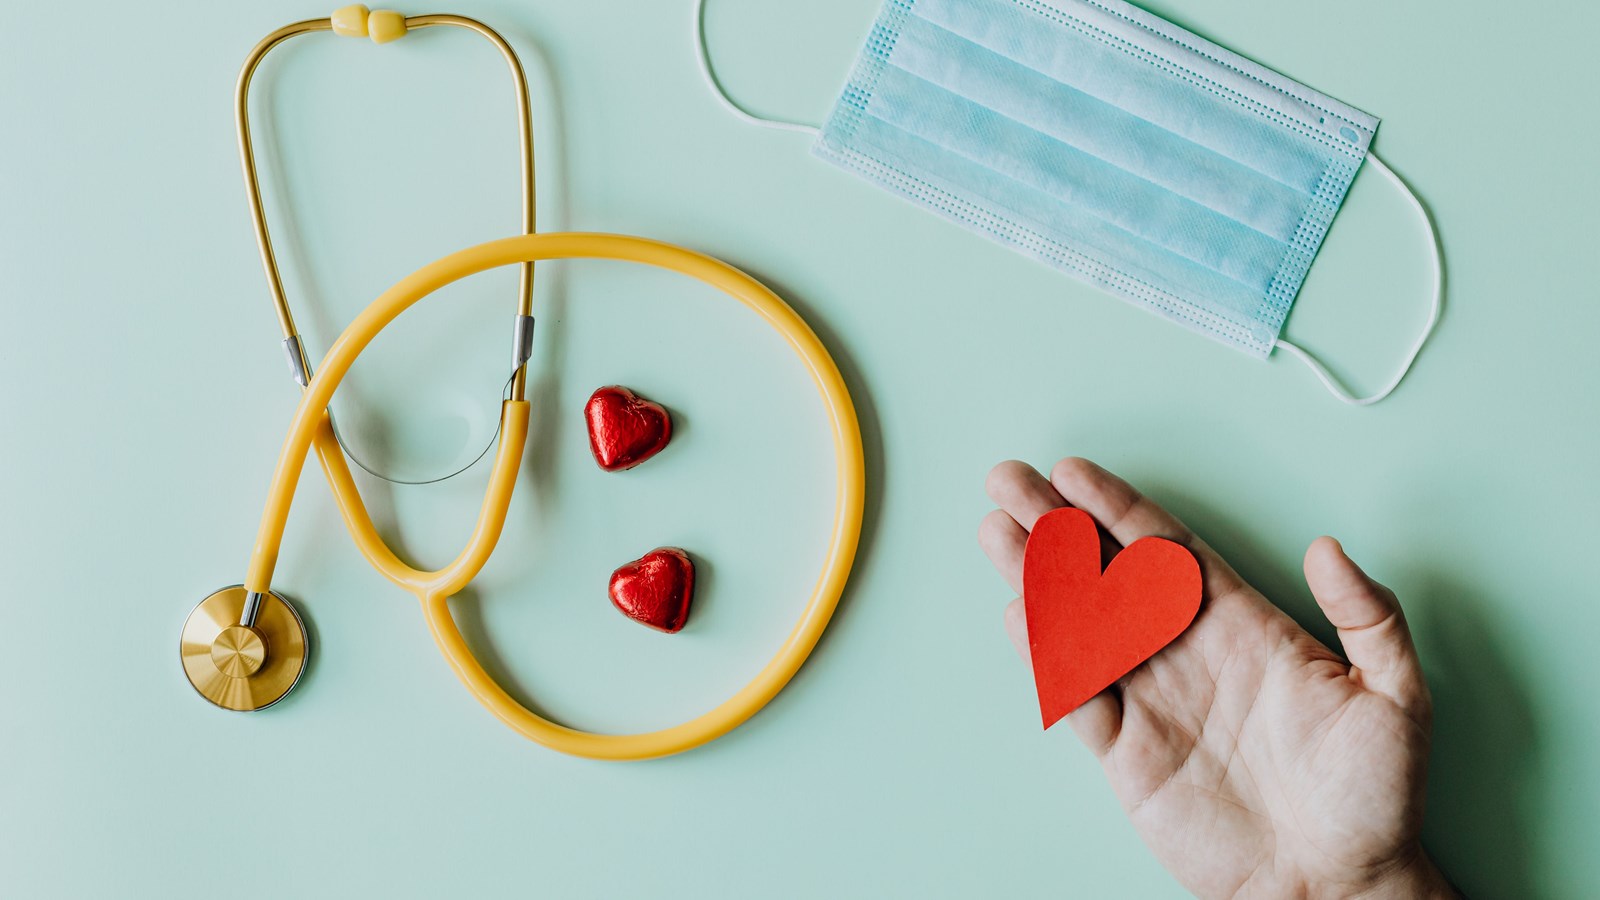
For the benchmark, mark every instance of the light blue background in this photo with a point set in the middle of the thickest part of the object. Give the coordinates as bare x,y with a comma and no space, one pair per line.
144,397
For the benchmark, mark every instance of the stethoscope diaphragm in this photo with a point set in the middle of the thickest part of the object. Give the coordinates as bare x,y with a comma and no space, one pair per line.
244,667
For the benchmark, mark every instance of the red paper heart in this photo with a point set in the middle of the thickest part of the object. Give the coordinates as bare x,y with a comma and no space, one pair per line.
624,428
1087,629
655,589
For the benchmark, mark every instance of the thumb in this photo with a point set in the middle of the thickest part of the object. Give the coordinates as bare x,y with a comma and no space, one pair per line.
1371,626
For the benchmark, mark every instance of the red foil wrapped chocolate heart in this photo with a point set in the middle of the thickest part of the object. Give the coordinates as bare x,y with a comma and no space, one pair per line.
655,589
624,428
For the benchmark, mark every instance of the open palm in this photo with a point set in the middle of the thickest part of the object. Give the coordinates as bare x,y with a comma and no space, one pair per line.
1251,758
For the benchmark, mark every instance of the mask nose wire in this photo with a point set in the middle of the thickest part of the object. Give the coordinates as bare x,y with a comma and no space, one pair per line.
715,86
1321,371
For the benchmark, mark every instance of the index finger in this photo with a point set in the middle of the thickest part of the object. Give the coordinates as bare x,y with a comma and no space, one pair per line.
1129,515
1023,495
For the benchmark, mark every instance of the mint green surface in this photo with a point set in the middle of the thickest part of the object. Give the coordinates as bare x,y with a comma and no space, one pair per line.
144,398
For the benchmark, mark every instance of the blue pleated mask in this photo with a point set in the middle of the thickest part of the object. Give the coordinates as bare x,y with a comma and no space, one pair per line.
1111,145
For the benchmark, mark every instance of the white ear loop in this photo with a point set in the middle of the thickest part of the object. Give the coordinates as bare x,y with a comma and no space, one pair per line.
1321,371
1315,365
722,96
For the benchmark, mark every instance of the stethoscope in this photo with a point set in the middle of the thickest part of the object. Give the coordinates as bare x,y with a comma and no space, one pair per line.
245,647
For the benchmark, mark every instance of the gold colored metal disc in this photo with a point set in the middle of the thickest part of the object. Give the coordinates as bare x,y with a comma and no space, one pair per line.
243,668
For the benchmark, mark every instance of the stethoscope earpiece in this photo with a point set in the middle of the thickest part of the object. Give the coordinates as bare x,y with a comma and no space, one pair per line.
244,651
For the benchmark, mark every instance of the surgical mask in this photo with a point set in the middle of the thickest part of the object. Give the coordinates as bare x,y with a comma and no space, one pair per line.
1112,145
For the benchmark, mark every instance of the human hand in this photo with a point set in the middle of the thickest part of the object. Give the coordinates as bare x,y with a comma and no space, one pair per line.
1250,758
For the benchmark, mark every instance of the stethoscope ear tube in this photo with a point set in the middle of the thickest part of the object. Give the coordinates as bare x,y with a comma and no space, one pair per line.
382,26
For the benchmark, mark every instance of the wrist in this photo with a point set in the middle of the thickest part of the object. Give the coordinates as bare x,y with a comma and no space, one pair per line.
1416,877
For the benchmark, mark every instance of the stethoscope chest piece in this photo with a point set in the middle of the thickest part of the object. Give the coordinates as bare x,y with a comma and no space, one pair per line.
244,652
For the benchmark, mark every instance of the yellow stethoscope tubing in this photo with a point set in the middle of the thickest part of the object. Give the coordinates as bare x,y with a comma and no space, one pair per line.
310,426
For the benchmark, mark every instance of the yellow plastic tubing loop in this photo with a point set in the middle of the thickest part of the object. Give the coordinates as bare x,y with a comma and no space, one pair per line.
433,589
